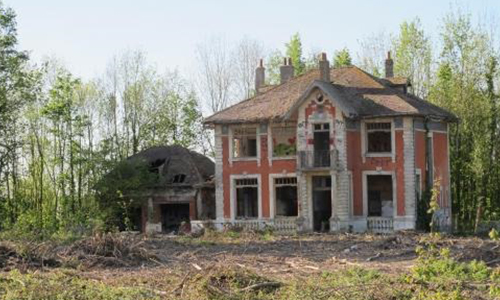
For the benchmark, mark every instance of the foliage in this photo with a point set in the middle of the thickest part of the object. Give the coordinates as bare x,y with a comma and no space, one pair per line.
342,58
294,51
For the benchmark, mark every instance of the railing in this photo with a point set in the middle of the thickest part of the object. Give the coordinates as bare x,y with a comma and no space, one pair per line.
380,224
285,225
280,225
317,159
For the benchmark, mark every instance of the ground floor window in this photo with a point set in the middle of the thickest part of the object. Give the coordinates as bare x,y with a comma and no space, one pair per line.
247,198
286,196
380,196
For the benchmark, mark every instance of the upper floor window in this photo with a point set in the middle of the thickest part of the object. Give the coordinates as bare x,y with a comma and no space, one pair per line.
244,142
284,140
379,137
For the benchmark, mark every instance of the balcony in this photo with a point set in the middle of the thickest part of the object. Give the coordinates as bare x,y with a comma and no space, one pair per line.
317,160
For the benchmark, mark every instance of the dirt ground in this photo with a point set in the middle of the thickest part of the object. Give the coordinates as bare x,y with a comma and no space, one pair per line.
166,262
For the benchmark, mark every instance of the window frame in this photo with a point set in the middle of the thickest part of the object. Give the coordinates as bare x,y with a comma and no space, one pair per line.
271,142
272,193
364,139
233,196
232,157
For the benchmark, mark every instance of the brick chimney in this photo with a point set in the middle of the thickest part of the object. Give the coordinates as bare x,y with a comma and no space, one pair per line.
389,66
260,76
324,68
286,70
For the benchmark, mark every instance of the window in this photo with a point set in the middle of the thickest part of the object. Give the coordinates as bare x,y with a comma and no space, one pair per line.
418,188
247,198
284,141
379,137
244,142
286,196
178,178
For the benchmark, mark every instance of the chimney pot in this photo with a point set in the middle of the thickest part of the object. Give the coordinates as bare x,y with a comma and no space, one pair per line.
260,76
324,68
389,66
286,70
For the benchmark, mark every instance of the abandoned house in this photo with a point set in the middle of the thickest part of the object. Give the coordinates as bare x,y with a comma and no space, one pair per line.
334,149
180,189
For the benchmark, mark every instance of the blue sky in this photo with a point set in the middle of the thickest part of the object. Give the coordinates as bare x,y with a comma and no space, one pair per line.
86,34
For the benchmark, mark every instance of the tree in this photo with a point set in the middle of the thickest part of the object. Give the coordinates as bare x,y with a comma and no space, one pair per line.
342,58
373,53
413,56
294,51
245,59
215,76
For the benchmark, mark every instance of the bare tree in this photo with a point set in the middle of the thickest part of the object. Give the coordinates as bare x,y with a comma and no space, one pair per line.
214,78
245,58
373,52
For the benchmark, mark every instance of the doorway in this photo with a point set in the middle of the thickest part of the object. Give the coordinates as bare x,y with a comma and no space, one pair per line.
172,215
380,196
322,145
322,203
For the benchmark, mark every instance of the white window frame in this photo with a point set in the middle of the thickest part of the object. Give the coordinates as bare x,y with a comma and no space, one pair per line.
271,144
231,142
365,175
272,193
232,201
364,140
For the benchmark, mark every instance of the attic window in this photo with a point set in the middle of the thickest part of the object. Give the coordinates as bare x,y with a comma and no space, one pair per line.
179,178
244,142
379,137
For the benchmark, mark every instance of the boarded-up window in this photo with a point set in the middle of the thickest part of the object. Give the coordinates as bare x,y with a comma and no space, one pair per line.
244,142
247,198
286,196
379,137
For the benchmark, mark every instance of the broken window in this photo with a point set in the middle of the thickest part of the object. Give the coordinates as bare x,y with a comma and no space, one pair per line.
247,198
380,195
284,140
379,138
244,142
179,178
286,197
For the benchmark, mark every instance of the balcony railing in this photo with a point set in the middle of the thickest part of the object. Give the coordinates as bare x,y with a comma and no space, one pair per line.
309,160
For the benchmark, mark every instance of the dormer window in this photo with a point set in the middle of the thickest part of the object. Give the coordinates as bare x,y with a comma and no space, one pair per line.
179,178
379,137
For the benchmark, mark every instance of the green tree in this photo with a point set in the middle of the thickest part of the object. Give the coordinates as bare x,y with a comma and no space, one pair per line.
413,56
342,58
294,51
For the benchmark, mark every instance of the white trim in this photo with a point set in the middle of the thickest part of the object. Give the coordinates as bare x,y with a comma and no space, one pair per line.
449,170
272,192
232,201
365,175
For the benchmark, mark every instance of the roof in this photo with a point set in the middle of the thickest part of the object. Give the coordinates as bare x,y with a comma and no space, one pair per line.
358,94
162,167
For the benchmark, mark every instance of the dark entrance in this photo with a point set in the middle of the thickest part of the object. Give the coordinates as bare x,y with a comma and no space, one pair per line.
380,202
322,145
322,202
173,215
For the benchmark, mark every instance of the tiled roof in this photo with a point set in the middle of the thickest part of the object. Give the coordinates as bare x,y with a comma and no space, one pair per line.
362,94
